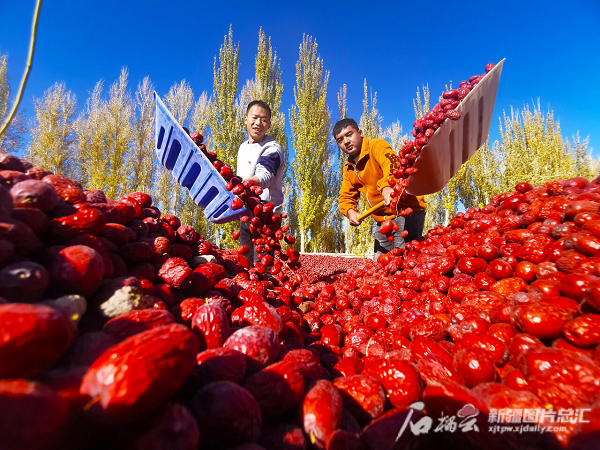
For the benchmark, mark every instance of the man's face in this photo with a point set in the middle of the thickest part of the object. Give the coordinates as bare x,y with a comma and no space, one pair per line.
349,140
257,123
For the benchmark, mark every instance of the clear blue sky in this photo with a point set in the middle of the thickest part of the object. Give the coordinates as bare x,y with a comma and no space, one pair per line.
552,49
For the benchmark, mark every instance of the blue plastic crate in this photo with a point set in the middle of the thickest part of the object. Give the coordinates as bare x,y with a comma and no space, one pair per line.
191,168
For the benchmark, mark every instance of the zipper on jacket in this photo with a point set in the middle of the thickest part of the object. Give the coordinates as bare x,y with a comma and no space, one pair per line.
366,191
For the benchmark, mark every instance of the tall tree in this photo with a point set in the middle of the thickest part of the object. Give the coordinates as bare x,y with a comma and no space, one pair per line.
91,130
180,101
342,102
370,120
104,133
52,137
310,122
226,125
10,140
532,147
141,162
585,165
201,116
266,86
395,135
119,116
269,88
421,107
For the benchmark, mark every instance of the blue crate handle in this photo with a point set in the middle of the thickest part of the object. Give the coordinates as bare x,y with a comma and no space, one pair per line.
191,168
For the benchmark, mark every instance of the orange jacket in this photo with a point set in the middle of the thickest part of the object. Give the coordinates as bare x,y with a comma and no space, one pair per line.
369,176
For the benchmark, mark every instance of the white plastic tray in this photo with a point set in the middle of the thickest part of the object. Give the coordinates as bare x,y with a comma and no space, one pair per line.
455,141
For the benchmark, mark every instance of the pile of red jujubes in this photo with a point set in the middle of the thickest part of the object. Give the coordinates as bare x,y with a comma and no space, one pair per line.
264,221
322,267
424,128
123,329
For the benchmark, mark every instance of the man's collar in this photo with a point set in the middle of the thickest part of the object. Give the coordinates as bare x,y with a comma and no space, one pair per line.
363,152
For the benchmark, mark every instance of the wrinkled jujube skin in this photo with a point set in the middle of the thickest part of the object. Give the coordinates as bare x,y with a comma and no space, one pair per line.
137,375
583,331
568,383
137,321
259,344
308,363
258,313
211,325
363,396
433,367
400,379
321,412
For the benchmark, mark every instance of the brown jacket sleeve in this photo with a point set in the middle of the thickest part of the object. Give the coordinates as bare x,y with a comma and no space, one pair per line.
388,161
349,196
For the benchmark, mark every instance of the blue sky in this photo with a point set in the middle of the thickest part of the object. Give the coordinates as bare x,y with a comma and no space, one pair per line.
551,49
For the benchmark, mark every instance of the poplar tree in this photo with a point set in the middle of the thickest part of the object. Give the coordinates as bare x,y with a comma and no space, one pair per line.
585,165
52,137
342,102
226,124
119,134
4,86
533,149
421,107
200,120
142,160
310,122
269,88
10,140
266,86
91,130
395,136
180,101
370,120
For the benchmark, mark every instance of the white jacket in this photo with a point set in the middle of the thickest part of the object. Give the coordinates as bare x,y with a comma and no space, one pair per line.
263,159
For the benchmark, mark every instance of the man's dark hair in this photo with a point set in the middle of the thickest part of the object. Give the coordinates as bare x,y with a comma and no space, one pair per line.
341,124
260,103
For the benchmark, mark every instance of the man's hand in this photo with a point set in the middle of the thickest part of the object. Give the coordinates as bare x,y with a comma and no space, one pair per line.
385,192
352,217
254,178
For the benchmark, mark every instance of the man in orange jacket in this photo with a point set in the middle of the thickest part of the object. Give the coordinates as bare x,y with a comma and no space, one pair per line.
370,163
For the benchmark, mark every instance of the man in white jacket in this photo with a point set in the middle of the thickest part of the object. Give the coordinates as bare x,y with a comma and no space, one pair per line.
260,158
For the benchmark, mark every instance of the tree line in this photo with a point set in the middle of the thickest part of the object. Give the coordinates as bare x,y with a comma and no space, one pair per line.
109,143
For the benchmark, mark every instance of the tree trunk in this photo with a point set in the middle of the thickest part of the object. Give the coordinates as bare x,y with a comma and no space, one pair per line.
302,240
